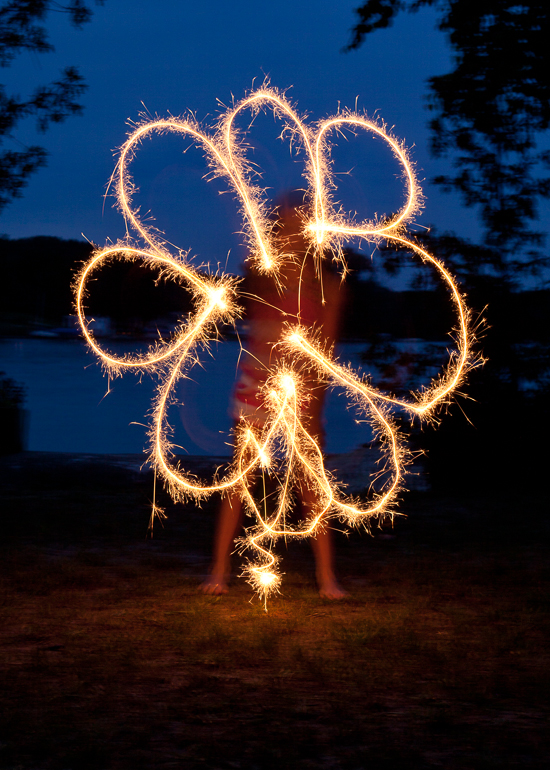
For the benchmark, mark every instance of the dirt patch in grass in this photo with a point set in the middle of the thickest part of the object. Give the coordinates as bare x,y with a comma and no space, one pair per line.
110,658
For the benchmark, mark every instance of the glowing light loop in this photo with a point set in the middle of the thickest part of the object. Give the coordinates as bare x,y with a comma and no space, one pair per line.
259,450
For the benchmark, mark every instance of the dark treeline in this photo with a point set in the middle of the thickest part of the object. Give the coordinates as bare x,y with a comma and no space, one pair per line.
36,278
494,432
22,29
38,275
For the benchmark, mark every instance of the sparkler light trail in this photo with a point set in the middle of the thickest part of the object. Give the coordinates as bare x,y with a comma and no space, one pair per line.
281,447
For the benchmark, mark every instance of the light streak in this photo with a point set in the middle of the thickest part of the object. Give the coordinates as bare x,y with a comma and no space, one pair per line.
282,447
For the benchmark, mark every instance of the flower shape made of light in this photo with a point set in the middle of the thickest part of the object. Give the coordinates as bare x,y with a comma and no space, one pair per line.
216,301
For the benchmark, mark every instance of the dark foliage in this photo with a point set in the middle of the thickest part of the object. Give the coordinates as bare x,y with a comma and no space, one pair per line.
12,417
489,115
22,29
12,394
38,274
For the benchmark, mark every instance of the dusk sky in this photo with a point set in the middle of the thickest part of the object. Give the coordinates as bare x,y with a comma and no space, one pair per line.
174,57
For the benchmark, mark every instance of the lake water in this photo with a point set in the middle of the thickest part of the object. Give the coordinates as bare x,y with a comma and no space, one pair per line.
73,407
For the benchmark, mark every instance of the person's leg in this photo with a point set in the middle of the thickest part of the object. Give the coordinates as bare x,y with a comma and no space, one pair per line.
321,541
228,525
329,587
323,550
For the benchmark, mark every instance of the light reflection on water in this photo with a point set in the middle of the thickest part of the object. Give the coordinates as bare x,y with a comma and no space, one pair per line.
74,408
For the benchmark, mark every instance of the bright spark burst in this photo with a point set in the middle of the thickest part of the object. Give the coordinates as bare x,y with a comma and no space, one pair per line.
283,441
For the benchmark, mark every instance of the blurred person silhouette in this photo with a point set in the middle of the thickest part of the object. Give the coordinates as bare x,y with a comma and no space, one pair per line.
301,297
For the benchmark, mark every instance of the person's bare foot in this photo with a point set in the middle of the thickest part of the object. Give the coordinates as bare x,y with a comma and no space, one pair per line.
215,585
331,589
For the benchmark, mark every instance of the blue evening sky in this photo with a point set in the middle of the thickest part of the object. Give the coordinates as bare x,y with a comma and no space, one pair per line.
173,57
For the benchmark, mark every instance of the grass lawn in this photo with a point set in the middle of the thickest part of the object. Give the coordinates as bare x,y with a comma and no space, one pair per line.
110,658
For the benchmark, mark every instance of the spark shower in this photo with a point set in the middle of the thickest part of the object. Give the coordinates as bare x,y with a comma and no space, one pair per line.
282,448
